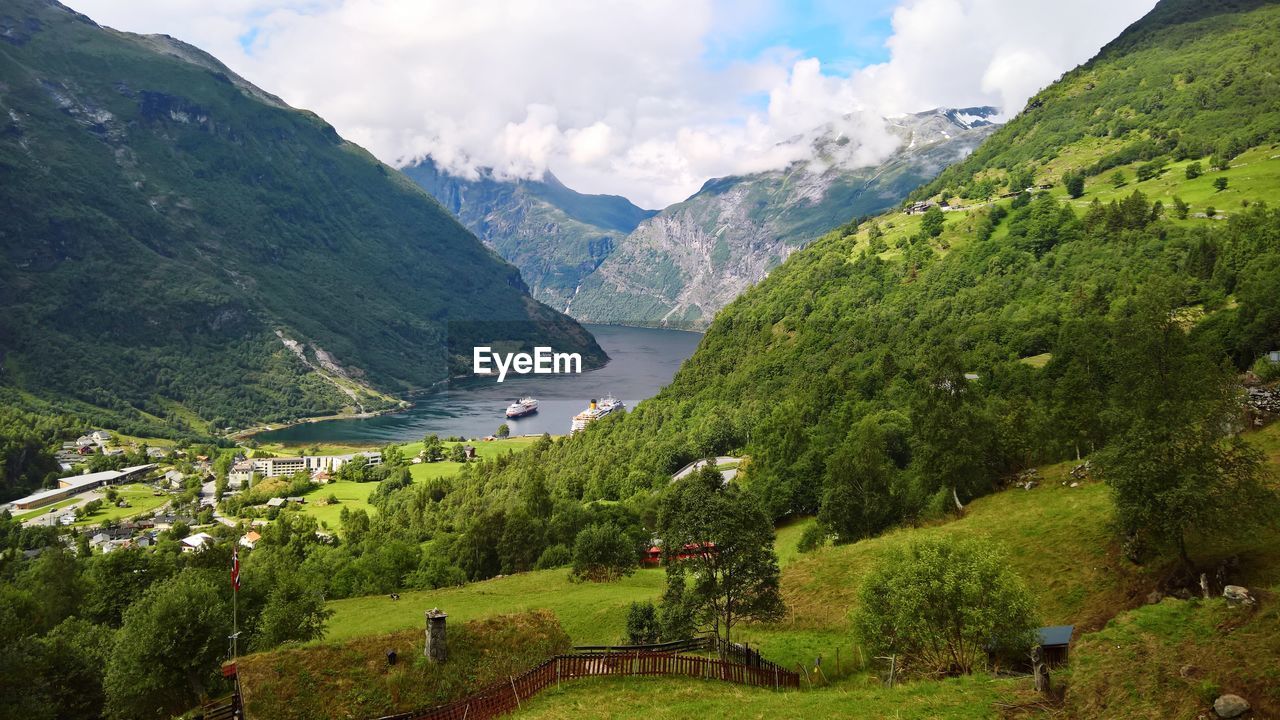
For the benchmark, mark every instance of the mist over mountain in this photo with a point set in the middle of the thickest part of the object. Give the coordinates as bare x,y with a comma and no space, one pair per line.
602,259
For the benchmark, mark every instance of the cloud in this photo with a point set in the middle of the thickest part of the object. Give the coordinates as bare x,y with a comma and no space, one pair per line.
647,100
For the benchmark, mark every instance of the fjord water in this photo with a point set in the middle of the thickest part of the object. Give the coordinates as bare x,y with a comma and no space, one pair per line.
641,361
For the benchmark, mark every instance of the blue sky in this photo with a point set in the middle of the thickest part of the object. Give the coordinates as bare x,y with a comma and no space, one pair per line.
843,36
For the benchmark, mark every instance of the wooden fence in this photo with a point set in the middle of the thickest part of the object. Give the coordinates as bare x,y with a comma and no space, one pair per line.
504,697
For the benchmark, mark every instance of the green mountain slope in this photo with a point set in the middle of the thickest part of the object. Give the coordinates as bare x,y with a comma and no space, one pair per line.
681,266
847,343
555,235
177,245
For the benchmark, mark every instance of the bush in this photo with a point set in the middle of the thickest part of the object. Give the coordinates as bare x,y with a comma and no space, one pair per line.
1220,184
553,557
813,537
602,553
1074,183
942,603
642,623
1194,170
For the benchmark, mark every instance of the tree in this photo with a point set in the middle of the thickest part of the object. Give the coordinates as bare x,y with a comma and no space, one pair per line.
1074,183
68,669
941,604
1149,170
1118,179
1220,183
504,430
1175,467
603,553
933,222
167,652
295,610
858,498
953,443
432,448
1194,170
522,542
457,453
1180,208
642,624
719,539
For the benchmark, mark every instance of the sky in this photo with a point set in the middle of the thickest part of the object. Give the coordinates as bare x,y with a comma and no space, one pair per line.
647,99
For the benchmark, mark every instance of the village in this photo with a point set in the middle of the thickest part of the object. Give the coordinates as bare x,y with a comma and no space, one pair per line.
175,496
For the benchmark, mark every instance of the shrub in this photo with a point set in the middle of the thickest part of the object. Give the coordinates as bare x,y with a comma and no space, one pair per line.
1220,184
553,557
1194,170
1074,183
813,537
602,553
642,623
941,604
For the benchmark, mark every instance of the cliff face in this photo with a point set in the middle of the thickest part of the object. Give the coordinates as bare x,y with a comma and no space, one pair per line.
554,235
681,266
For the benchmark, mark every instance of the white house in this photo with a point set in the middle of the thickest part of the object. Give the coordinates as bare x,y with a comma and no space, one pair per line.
277,466
250,539
100,437
173,479
199,541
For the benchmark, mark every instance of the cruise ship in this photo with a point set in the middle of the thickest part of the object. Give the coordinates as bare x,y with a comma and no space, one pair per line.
594,412
522,407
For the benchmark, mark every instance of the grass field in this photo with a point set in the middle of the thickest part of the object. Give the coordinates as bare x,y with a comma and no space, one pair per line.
968,698
141,499
592,613
355,496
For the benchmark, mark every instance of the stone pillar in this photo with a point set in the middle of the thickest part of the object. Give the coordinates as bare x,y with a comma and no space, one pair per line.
437,650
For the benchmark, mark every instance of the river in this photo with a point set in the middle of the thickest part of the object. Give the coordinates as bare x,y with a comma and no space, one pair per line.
641,361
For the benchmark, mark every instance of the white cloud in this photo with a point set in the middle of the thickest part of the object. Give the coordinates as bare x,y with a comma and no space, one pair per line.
617,97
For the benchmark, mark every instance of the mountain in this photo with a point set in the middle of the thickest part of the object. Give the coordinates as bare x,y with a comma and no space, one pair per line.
180,248
693,258
556,236
1026,300
603,260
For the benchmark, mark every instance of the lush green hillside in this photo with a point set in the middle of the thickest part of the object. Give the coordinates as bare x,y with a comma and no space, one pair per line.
180,247
869,322
555,235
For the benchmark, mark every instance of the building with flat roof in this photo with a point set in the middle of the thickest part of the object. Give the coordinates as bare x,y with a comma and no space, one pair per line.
76,484
277,466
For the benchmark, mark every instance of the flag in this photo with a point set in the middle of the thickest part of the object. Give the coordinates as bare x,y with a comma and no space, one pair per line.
235,568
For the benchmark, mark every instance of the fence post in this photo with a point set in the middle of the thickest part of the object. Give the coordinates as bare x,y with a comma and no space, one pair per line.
513,691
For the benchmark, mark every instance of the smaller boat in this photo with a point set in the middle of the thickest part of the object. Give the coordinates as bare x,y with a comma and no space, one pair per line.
522,407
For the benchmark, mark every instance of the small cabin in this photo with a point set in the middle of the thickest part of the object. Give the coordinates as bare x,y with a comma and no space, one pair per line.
1055,641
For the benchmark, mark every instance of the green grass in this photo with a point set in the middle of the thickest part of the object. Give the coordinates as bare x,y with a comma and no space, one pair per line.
592,613
141,499
355,496
1058,538
1254,175
966,698
353,680
1172,659
45,509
